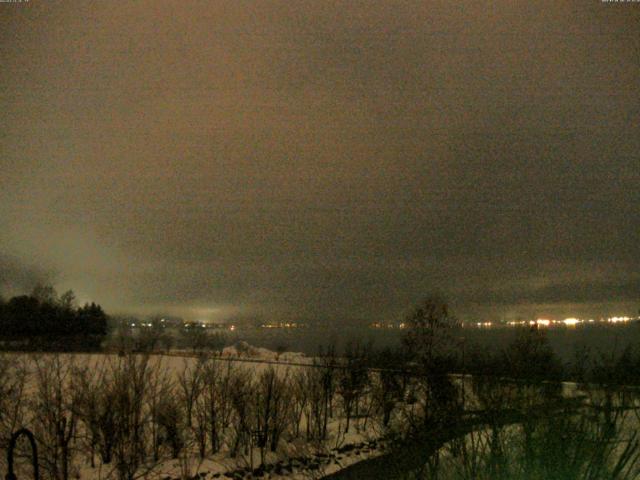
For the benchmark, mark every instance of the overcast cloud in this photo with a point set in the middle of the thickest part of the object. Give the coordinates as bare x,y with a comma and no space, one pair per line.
325,159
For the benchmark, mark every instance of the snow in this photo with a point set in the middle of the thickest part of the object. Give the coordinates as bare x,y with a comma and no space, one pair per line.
243,350
296,459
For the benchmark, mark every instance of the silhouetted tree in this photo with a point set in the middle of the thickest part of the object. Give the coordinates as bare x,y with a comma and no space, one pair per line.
390,383
353,379
530,357
44,321
431,345
428,337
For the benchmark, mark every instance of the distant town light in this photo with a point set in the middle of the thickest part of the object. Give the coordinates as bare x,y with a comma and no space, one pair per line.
618,319
544,322
571,321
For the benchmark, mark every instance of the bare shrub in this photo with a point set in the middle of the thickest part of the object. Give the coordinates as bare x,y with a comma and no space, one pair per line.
172,425
353,380
299,400
272,402
317,382
213,410
160,388
567,444
242,389
320,383
190,385
94,412
128,384
387,391
13,378
54,414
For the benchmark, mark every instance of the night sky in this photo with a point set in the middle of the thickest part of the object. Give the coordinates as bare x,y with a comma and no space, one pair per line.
322,159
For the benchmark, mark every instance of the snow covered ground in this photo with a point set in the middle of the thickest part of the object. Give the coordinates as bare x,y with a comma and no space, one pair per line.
295,457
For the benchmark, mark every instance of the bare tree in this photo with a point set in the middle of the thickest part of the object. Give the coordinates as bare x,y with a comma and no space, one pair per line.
93,411
55,418
151,334
428,335
13,378
128,383
387,392
429,341
214,407
272,401
318,386
194,336
201,424
172,424
241,395
299,400
353,380
160,387
190,386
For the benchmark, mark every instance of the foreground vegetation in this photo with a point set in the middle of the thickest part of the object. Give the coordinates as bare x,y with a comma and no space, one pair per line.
443,413
510,416
125,416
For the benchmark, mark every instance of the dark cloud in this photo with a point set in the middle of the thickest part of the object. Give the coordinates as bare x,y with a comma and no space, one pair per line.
17,277
601,291
332,159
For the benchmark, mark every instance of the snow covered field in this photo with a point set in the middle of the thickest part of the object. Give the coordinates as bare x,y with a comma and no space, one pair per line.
246,413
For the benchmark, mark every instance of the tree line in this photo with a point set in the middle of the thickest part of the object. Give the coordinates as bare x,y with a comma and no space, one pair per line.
44,320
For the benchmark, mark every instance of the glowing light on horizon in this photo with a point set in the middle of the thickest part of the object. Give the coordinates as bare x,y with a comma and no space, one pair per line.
571,321
618,319
546,322
484,324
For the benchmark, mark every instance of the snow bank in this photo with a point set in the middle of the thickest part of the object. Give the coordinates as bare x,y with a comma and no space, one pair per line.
244,350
